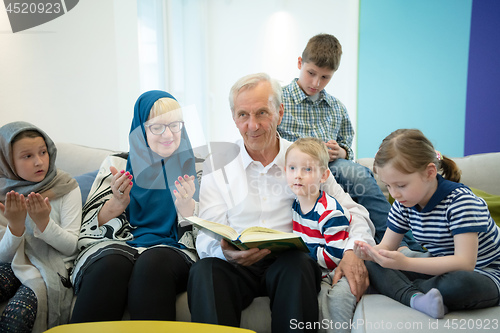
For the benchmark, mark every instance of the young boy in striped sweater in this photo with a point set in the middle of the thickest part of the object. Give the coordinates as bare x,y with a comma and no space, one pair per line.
324,226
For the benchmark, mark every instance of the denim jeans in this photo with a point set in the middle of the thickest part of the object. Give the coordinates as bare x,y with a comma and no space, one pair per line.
358,181
461,290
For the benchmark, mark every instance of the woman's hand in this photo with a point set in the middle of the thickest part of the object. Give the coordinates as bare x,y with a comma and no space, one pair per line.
121,184
39,210
184,201
15,211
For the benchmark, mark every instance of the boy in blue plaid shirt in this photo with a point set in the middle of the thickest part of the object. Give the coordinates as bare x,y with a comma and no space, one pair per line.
311,111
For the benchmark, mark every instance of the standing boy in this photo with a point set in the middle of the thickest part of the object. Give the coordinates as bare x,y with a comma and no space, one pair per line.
324,226
311,112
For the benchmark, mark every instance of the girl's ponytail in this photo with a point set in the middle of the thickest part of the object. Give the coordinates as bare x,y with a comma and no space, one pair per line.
450,169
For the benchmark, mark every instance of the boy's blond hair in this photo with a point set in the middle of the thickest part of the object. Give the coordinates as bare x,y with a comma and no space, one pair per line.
323,50
313,147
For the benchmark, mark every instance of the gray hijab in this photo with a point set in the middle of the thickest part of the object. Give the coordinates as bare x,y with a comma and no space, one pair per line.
55,184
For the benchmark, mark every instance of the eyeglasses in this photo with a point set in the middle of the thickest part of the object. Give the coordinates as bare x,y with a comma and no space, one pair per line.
158,129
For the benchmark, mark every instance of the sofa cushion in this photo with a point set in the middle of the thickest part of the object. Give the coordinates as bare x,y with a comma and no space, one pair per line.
379,313
256,317
493,202
85,182
77,160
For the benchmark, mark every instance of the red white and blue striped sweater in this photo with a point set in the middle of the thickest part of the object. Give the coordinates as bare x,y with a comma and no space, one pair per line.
324,229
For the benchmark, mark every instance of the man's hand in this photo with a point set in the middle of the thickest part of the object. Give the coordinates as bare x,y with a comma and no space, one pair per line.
243,258
355,271
335,151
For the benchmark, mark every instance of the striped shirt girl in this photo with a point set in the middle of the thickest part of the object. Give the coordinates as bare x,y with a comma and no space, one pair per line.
452,210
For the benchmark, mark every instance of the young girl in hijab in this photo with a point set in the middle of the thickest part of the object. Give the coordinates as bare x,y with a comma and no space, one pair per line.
39,223
463,270
135,255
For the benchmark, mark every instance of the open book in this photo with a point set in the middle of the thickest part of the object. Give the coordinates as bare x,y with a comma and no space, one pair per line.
260,237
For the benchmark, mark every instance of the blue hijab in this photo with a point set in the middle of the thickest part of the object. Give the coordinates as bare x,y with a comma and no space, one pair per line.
151,210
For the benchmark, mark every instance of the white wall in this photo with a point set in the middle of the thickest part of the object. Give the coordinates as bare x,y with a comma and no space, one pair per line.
268,36
76,77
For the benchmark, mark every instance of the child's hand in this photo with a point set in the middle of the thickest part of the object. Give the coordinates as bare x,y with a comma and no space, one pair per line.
387,258
39,210
184,195
360,249
335,151
15,211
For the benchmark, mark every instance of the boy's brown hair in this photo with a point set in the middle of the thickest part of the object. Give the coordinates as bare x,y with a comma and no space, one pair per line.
323,50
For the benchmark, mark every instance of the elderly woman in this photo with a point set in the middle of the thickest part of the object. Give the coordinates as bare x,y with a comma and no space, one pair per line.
134,253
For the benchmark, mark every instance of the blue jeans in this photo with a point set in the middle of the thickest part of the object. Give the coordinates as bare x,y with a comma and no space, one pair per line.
461,290
358,181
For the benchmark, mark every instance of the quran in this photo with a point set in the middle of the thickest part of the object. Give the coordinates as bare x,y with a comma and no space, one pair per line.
252,237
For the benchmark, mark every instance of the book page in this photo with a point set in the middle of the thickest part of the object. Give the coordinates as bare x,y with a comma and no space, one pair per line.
261,233
220,229
279,245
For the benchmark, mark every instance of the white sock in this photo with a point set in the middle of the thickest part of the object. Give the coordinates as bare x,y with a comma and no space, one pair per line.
430,303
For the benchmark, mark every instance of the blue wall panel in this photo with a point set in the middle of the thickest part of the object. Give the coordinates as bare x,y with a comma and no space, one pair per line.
413,71
483,103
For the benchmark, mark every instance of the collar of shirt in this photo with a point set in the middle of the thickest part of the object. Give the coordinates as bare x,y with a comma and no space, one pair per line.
298,95
278,161
445,187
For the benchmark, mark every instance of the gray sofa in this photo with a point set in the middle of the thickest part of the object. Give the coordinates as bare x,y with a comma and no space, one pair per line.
374,313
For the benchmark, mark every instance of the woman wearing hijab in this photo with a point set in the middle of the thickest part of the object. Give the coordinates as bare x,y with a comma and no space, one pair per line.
135,256
39,222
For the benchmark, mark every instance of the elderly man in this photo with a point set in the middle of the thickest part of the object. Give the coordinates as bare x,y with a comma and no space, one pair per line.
251,190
